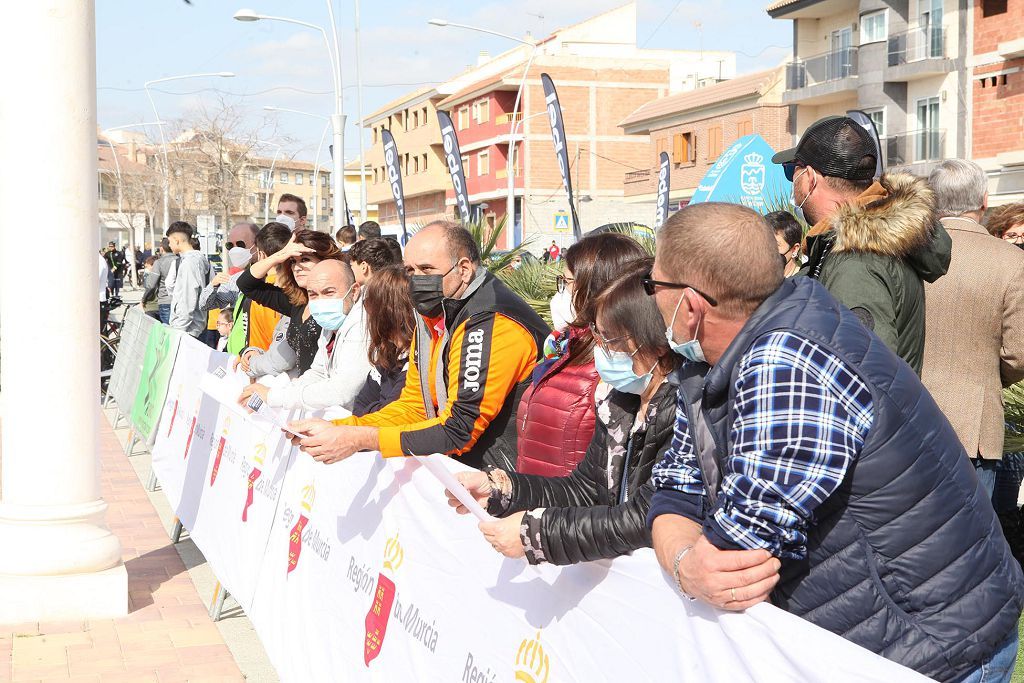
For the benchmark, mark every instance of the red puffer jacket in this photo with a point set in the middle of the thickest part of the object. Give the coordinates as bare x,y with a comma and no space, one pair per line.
555,421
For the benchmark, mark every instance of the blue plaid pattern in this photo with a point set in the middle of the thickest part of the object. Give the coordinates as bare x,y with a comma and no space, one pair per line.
801,418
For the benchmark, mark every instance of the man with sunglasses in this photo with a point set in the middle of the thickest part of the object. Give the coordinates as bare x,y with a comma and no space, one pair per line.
473,355
872,243
811,468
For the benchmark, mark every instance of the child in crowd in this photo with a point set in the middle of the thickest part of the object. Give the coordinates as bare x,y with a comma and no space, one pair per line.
224,323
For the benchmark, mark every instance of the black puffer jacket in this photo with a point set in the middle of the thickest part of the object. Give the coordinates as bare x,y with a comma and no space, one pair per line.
587,516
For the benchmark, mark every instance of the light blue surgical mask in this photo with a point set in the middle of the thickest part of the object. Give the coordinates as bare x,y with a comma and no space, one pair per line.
616,369
690,350
798,209
329,313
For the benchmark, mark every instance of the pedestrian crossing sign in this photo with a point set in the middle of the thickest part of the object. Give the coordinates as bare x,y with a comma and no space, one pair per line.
562,222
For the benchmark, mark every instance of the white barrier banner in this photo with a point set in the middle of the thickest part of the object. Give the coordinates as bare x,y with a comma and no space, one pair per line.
361,571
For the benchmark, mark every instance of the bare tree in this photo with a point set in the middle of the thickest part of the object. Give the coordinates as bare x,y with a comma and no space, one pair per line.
215,153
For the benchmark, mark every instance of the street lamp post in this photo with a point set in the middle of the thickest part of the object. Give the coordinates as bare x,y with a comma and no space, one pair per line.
163,138
359,114
510,205
316,163
152,241
270,180
338,118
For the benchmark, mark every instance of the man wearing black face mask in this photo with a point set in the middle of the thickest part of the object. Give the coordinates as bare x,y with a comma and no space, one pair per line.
473,354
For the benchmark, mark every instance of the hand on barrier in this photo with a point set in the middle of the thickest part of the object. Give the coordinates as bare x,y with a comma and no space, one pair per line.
730,579
244,360
503,535
257,389
477,484
329,443
310,427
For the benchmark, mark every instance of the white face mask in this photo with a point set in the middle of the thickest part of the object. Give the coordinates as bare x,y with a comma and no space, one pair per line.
239,257
562,310
798,209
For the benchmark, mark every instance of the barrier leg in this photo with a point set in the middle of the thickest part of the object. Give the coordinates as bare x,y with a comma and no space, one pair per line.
130,442
117,419
220,594
107,400
151,486
176,531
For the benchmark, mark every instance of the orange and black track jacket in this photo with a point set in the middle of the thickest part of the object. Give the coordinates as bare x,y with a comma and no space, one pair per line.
465,380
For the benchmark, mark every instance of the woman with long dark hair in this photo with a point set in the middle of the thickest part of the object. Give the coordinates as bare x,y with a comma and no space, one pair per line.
288,297
555,420
390,323
600,509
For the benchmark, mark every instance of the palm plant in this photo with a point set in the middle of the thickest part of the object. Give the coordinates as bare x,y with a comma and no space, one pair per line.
535,283
487,237
1013,400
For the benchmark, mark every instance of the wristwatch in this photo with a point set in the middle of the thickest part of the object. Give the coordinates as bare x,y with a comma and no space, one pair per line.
675,570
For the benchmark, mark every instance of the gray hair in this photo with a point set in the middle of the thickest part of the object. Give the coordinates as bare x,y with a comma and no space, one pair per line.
960,187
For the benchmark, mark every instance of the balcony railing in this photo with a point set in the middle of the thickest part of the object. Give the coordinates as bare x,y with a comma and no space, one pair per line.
507,119
917,44
633,177
830,66
915,147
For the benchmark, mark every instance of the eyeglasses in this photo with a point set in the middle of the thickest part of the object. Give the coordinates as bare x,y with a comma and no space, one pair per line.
602,342
790,169
239,243
650,286
1013,236
561,281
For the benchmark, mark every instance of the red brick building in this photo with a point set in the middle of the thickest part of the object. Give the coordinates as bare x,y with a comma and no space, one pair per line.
997,96
695,127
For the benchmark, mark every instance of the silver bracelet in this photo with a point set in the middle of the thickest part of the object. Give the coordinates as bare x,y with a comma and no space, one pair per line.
675,570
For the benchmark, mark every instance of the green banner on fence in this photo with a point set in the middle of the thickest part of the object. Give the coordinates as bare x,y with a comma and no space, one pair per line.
161,348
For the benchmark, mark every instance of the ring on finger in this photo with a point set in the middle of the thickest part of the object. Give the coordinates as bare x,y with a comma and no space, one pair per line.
732,592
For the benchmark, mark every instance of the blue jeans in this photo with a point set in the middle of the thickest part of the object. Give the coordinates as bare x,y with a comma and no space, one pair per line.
986,471
165,313
999,668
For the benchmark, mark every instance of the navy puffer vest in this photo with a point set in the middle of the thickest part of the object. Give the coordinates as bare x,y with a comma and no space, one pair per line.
906,558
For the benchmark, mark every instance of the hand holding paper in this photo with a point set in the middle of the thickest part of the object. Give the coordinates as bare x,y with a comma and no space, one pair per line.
454,485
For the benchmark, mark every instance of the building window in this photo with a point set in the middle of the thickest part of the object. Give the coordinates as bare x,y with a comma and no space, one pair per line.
324,203
298,178
416,164
992,7
252,199
465,164
424,117
714,142
877,117
424,166
375,135
463,122
483,163
284,176
198,197
682,148
928,143
873,28
745,127
323,179
375,178
416,119
482,111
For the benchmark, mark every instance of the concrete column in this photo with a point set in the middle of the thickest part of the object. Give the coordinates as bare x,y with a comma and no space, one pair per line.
58,560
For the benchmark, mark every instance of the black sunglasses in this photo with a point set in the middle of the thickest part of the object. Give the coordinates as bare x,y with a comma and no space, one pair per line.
650,286
790,169
239,243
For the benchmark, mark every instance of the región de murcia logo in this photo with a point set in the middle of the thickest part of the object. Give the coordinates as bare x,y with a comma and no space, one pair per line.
260,452
532,664
383,599
220,449
295,537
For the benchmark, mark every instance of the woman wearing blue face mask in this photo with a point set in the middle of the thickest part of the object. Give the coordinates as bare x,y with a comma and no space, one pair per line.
599,510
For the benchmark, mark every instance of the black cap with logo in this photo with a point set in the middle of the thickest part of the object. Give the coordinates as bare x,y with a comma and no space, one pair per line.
836,146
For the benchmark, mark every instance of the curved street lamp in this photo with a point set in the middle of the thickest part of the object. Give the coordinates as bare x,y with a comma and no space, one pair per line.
338,119
510,204
163,138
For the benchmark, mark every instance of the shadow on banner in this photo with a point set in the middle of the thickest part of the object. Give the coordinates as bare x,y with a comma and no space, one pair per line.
744,174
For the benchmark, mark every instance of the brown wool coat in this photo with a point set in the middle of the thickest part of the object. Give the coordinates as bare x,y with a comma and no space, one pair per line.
974,338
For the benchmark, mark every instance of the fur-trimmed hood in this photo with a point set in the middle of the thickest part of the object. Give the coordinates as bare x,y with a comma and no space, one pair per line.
897,223
895,217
